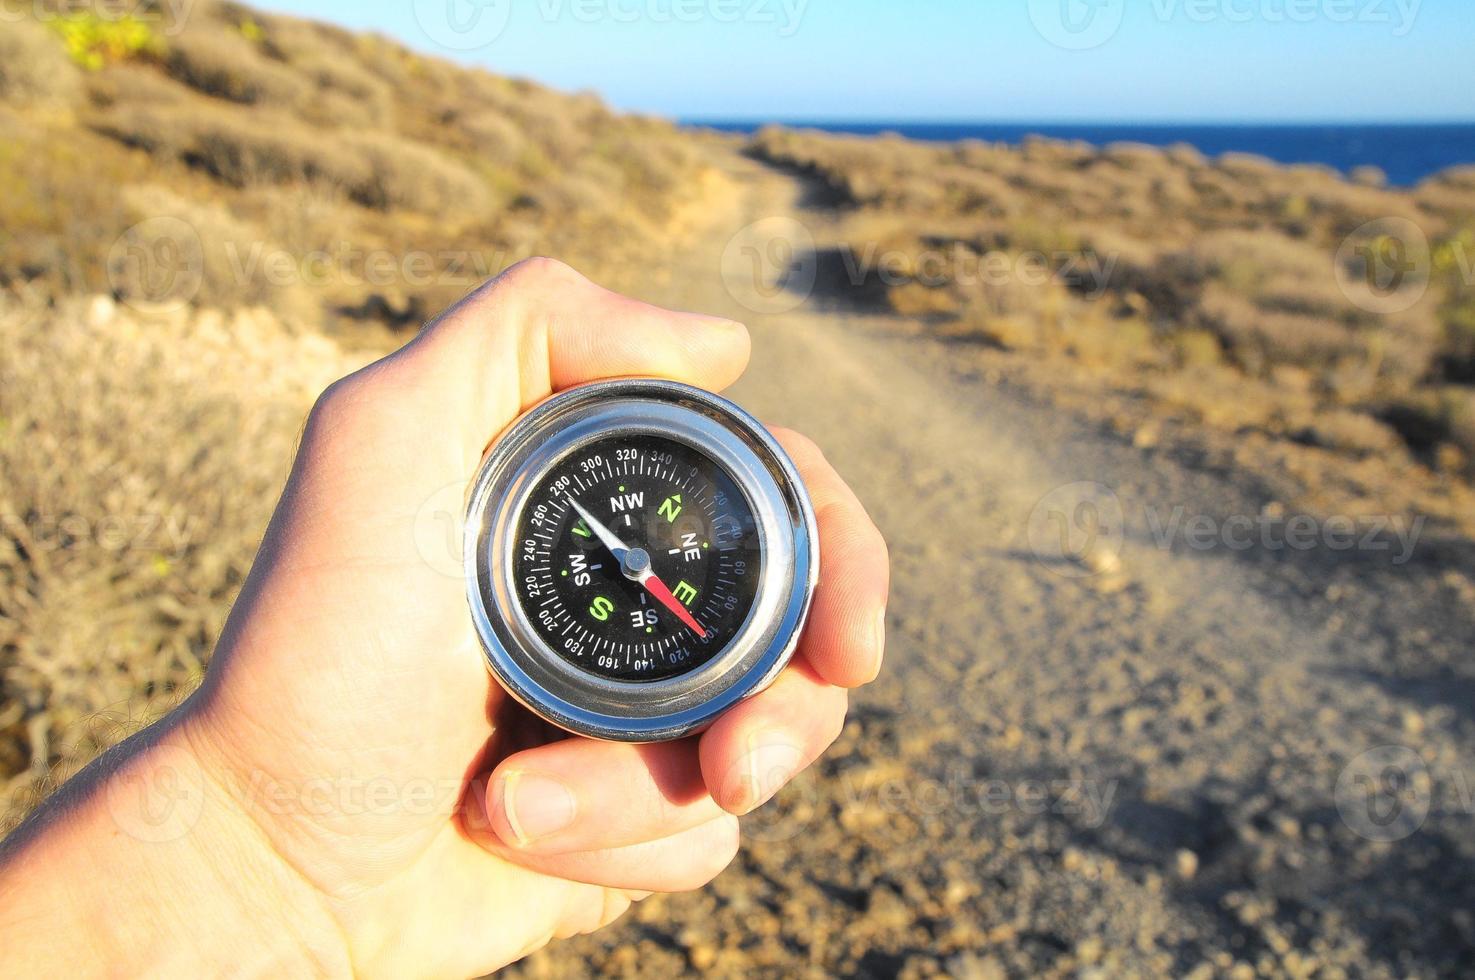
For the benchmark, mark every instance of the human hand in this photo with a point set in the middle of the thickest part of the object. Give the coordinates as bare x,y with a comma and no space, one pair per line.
371,795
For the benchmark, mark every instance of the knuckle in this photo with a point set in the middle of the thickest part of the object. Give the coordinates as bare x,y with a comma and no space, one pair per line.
540,270
338,405
357,406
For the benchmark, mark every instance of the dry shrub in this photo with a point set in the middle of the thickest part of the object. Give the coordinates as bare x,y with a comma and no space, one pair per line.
404,175
237,147
59,205
1342,208
227,66
334,110
1258,338
1276,273
977,192
1197,349
494,137
1220,397
1352,432
917,301
223,258
142,460
1010,297
581,196
34,67
1247,166
133,85
1135,156
393,63
244,148
561,139
1368,176
1022,334
1040,149
1247,258
1110,343
649,162
1438,416
291,40
345,95
1461,177
1187,155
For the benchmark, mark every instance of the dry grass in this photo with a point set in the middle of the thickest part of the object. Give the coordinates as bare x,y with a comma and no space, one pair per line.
142,459
1229,263
244,115
226,65
34,68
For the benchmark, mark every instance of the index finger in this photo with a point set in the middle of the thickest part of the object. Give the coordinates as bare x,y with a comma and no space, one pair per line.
846,633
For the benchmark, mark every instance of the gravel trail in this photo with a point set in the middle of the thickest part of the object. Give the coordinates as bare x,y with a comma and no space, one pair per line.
1136,717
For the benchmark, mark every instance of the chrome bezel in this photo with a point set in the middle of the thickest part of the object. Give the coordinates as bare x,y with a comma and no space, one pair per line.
639,711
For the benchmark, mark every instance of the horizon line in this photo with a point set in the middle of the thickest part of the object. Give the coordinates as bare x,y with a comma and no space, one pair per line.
697,120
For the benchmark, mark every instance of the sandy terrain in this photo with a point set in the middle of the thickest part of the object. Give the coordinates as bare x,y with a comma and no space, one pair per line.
1134,748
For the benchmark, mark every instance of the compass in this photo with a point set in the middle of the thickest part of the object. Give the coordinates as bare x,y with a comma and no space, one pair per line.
640,556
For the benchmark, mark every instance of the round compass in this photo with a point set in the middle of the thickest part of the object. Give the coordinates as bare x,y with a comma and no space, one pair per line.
641,556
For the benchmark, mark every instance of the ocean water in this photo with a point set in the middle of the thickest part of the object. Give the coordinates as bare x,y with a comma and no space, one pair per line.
1406,153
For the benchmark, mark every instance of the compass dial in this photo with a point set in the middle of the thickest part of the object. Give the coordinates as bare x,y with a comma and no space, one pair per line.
638,558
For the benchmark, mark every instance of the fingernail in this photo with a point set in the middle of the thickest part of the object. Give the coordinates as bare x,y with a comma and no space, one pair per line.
536,805
880,629
772,762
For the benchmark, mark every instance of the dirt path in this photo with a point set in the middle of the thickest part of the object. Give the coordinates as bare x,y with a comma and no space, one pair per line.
1118,702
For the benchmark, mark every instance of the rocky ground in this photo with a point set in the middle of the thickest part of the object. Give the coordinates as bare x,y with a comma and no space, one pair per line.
1145,711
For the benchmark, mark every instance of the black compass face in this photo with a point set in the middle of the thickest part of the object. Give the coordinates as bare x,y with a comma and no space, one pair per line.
638,558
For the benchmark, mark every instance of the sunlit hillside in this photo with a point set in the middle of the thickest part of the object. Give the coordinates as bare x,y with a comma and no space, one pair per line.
326,175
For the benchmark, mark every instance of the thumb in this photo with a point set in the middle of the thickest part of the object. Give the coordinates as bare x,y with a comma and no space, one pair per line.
541,327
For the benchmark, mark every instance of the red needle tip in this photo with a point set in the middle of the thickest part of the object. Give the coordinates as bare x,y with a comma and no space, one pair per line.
657,588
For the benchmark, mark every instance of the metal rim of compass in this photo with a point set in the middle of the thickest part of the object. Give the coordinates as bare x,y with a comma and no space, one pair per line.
639,711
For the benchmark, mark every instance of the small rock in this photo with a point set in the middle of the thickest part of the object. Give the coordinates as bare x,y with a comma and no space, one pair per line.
1185,864
100,311
956,893
702,956
1102,561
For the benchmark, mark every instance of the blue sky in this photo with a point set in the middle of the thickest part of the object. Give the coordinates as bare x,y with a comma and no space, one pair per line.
996,60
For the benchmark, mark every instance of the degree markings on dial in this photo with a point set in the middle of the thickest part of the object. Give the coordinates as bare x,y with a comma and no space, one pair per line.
664,648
